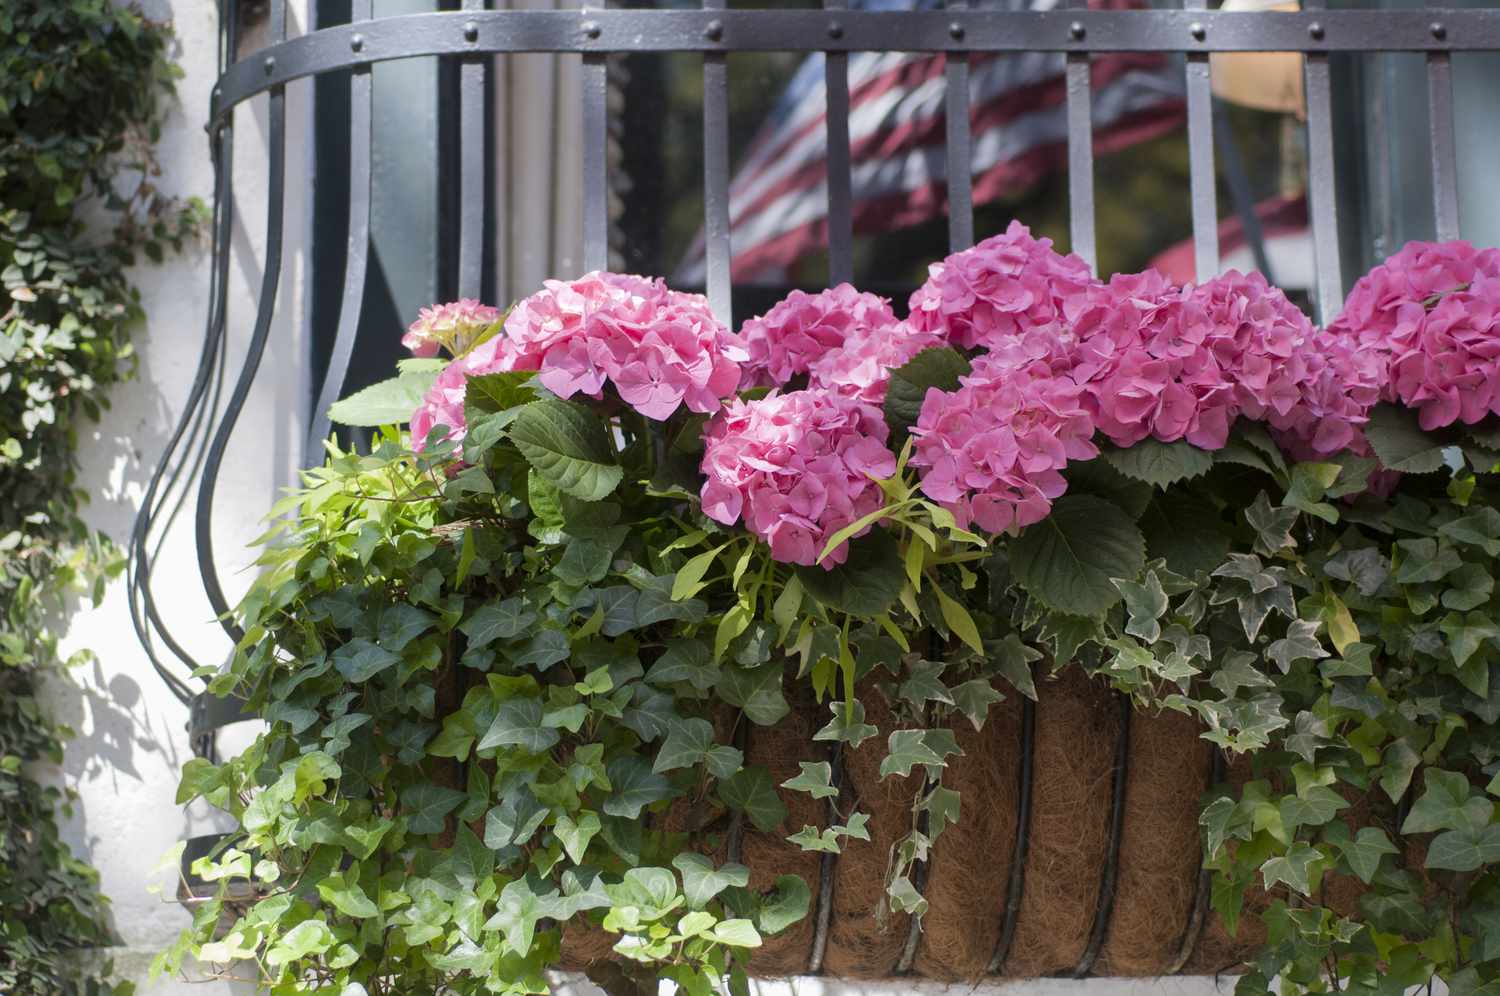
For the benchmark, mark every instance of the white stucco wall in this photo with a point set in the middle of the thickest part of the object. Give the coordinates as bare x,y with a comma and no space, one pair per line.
131,737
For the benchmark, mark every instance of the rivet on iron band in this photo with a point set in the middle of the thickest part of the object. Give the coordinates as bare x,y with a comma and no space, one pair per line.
1315,30
357,43
714,31
471,32
1076,31
835,29
1198,31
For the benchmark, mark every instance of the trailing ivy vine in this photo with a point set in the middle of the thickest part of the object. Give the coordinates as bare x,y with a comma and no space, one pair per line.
81,88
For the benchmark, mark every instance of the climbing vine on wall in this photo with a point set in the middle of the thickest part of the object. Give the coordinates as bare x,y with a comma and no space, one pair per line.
82,84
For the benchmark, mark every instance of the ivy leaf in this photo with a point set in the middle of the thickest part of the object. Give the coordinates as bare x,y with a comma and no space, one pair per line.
1480,527
1400,764
636,787
1464,850
1069,561
788,904
847,725
938,367
685,661
923,684
814,780
402,623
1400,442
514,820
517,912
1272,525
347,897
907,748
1160,464
1294,868
1145,603
1215,818
519,723
501,620
1364,852
568,446
472,862
575,836
1469,587
1365,568
686,745
1447,804
426,805
973,698
757,691
306,938
701,881
1301,643
359,660
1313,807
1014,659
750,791
942,808
390,402
737,933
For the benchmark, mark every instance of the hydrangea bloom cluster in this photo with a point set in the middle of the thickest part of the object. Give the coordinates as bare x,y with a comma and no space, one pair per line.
861,367
1429,314
1451,372
1387,305
993,450
1006,285
1184,363
798,466
453,326
660,348
802,328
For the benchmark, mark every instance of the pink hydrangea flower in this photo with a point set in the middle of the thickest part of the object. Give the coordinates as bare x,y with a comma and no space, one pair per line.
798,467
1387,304
992,451
861,367
799,330
453,326
1010,284
1451,370
659,348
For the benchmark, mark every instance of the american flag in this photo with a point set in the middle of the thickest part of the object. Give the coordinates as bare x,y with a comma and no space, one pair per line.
779,195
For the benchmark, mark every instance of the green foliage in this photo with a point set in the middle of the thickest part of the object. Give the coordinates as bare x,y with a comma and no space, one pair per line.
490,686
80,85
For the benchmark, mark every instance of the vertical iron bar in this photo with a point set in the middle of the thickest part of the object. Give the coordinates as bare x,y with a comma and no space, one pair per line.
1201,175
960,165
1109,880
1199,914
265,308
1081,153
1015,888
1444,145
1329,291
358,252
595,155
840,177
827,868
471,168
1240,193
717,250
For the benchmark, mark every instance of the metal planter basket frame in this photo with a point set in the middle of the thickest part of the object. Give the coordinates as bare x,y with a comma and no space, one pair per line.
473,36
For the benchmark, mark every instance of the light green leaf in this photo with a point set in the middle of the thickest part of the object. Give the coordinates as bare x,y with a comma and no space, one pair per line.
575,836
519,723
737,933
1465,850
907,748
425,806
788,904
814,780
757,691
636,786
701,881
390,402
1294,868
847,725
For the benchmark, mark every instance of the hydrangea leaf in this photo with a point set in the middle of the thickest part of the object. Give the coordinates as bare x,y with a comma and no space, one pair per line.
1070,560
1160,464
569,446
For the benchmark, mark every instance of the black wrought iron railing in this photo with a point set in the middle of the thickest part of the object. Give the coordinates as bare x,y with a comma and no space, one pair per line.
475,39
